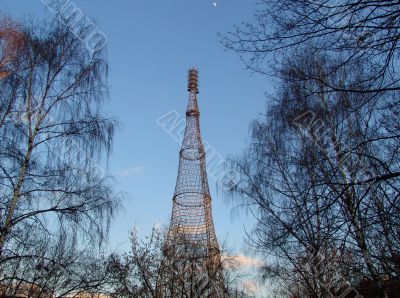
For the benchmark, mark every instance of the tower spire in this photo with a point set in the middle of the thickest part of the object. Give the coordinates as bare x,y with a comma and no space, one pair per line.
193,80
191,233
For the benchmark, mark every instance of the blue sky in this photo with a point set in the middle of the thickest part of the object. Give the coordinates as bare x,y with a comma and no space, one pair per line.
151,45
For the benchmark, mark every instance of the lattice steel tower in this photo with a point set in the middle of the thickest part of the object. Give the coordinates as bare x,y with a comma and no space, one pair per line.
191,230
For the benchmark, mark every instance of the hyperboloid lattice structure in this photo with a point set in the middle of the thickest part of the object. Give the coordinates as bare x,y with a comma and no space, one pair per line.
191,232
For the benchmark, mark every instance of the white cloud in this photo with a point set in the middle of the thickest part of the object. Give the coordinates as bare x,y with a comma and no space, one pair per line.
135,170
240,261
251,286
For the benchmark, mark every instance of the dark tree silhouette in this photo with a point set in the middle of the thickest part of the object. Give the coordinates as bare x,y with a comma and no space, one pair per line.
56,203
148,270
320,177
360,31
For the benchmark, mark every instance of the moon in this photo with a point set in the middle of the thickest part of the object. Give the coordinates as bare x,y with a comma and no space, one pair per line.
215,4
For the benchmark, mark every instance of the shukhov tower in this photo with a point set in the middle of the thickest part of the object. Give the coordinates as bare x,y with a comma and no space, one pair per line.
191,234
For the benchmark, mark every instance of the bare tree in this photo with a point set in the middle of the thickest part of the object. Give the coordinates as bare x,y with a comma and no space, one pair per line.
47,269
363,31
56,204
149,271
324,165
321,179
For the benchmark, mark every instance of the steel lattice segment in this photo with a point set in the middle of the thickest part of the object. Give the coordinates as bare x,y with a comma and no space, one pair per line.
191,221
